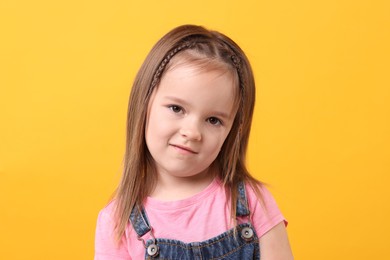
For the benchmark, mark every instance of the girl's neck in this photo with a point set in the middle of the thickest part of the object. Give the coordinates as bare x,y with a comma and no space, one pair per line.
170,188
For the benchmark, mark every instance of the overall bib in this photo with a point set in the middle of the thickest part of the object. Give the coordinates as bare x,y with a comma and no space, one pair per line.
242,244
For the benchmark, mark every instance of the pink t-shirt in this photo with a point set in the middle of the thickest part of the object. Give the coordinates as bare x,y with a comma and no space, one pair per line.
198,218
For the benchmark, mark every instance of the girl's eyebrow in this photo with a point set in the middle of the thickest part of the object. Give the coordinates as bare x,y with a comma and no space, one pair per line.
182,101
176,99
221,114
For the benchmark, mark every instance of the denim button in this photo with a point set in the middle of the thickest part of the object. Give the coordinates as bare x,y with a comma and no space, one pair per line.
247,233
152,250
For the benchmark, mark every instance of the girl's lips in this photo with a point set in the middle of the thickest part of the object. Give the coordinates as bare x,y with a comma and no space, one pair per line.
184,148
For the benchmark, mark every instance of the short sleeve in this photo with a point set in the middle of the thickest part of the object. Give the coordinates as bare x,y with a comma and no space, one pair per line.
105,246
265,212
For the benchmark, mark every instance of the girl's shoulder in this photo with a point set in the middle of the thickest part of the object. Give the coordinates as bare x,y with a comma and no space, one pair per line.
265,212
260,193
108,210
105,218
105,245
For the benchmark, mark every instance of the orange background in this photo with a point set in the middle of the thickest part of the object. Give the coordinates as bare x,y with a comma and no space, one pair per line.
320,136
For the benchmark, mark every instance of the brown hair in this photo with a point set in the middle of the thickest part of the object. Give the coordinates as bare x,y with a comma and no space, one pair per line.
138,176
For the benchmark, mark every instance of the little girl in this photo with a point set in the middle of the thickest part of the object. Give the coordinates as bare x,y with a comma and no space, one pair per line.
185,191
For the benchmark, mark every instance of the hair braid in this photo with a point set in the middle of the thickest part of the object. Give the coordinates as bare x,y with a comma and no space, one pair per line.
165,61
237,64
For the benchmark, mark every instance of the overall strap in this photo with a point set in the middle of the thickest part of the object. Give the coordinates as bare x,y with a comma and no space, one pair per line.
242,208
139,221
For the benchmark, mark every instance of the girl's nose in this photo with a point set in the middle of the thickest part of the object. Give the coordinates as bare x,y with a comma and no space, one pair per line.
191,131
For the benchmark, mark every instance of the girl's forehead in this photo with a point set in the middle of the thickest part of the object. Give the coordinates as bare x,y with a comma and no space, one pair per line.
184,67
199,62
191,65
193,70
198,86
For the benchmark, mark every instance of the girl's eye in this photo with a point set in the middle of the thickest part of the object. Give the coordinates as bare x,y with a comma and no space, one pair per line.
175,109
214,121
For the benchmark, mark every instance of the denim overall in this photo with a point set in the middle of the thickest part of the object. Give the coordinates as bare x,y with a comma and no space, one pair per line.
244,244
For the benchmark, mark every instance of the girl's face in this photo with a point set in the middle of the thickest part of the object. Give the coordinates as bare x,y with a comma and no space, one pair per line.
189,117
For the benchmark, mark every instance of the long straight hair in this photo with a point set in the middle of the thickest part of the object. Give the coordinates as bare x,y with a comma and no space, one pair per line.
139,174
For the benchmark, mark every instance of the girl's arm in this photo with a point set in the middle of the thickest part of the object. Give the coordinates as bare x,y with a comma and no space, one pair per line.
274,244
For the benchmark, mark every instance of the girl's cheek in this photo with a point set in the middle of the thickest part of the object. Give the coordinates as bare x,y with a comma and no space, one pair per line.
166,126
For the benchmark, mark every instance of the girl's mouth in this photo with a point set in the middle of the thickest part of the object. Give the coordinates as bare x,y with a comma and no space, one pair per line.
183,149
